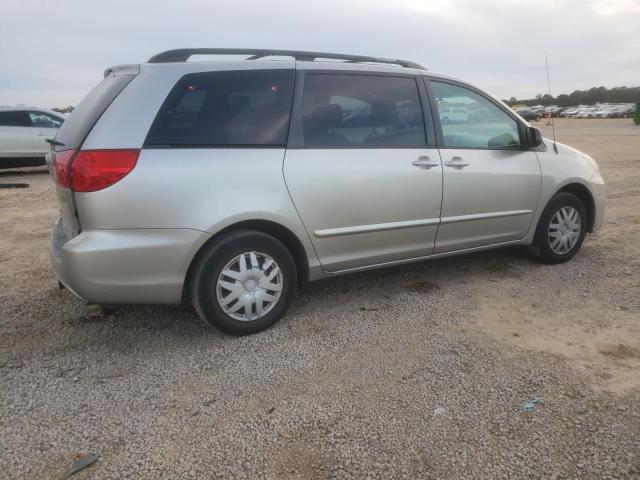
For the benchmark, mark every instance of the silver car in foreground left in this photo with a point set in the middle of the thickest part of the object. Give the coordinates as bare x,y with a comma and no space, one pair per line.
230,182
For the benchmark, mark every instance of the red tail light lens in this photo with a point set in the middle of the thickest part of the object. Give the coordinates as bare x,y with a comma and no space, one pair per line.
92,170
61,167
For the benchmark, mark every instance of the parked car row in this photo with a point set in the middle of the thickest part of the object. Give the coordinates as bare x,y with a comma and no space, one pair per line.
599,111
24,132
581,111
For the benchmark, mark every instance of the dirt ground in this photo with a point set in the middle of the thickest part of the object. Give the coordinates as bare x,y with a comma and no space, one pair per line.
417,371
591,317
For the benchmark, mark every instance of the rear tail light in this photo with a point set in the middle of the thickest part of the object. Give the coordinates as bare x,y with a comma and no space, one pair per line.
60,167
92,170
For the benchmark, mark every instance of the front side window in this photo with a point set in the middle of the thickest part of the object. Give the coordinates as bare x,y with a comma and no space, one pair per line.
244,107
44,120
347,110
14,119
470,120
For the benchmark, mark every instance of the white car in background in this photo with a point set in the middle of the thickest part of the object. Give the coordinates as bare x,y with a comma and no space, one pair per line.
604,113
585,113
570,112
23,134
453,114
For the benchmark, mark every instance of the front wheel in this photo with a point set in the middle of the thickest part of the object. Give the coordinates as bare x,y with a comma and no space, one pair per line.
244,282
561,229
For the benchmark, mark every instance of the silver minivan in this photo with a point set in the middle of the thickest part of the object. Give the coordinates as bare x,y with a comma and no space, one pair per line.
231,182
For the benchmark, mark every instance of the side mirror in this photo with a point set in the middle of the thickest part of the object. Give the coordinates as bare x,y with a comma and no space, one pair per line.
534,137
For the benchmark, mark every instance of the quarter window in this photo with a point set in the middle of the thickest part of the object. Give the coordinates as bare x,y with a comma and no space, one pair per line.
470,120
245,107
346,110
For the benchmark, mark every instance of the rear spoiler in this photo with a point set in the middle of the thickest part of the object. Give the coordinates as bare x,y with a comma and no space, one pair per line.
129,69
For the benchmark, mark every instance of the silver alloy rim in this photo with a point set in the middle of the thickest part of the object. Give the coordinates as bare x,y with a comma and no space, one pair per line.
564,230
249,286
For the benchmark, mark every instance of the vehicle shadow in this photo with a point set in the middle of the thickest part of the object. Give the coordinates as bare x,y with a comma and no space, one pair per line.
127,328
447,270
22,172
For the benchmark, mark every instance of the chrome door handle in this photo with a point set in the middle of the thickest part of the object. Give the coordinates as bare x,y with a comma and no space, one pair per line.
456,162
425,163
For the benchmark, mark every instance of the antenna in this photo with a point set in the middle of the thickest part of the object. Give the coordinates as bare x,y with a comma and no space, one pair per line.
553,127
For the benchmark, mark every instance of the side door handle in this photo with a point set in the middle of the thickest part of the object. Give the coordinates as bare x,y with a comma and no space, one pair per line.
456,162
425,163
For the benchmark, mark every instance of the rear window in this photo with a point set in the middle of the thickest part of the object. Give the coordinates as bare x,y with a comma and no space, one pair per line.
244,107
82,119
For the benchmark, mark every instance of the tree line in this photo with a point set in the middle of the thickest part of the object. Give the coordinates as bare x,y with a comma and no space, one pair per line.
583,97
68,109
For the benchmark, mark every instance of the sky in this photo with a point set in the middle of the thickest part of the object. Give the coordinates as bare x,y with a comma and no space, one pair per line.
53,52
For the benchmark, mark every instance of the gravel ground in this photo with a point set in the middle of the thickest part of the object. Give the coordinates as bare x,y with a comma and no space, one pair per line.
411,372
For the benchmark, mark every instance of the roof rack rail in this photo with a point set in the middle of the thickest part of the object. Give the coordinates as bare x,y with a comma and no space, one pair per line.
183,54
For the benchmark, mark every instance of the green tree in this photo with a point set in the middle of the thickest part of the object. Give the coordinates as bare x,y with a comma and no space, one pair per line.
636,116
563,100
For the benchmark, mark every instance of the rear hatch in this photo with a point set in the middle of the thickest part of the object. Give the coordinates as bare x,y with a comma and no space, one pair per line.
72,134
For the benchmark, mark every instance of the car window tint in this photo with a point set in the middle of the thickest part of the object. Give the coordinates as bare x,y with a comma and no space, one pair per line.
40,119
244,107
14,119
344,110
470,120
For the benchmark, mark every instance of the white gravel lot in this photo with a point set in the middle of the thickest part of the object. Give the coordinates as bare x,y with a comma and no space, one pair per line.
412,372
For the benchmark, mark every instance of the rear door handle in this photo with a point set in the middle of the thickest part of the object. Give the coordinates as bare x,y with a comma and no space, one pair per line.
456,162
424,163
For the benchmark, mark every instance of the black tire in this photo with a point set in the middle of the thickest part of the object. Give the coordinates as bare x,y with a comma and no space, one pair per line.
209,265
542,245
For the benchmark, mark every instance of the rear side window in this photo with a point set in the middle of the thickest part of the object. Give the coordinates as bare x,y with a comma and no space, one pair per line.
82,119
14,119
355,110
243,107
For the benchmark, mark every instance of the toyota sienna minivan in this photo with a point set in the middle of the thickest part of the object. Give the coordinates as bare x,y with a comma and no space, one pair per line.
229,183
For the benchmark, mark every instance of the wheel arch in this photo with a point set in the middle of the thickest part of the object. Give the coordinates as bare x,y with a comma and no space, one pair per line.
586,197
268,227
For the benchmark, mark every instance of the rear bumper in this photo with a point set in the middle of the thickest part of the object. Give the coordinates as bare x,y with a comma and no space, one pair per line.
111,267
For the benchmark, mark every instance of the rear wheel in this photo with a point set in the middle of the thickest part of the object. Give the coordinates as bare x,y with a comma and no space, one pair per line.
244,282
561,229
